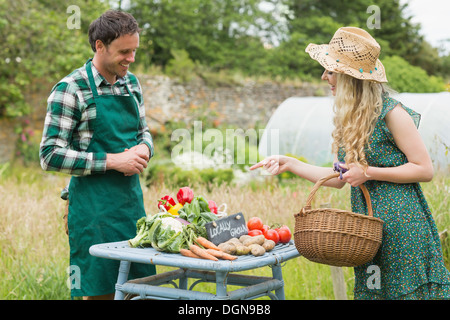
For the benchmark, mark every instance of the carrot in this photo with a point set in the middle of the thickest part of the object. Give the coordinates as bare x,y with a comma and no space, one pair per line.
221,254
206,243
215,253
228,256
202,252
188,253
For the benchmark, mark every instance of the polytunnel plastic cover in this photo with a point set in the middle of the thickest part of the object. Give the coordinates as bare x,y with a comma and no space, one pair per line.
302,126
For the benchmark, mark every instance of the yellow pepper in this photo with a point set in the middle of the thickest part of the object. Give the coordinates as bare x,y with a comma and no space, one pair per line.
174,210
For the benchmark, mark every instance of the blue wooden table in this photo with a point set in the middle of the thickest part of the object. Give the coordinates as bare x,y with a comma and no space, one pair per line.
218,272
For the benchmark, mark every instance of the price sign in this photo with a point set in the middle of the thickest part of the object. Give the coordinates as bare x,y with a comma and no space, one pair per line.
226,228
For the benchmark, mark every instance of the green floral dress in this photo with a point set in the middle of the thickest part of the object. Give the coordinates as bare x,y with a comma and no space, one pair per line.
409,263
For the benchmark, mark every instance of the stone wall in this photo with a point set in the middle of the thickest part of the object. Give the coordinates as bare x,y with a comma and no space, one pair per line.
242,106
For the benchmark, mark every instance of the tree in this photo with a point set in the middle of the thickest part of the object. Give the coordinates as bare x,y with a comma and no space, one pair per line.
39,47
313,21
212,32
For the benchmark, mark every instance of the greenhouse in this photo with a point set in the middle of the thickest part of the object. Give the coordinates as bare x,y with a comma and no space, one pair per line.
302,126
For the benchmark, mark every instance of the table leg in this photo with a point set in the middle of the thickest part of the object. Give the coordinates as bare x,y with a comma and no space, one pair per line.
221,285
183,281
124,269
277,274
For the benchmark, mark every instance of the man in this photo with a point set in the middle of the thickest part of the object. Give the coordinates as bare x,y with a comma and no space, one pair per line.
95,130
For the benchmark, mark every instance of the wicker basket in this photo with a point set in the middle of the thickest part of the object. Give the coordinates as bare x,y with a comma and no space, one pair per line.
337,237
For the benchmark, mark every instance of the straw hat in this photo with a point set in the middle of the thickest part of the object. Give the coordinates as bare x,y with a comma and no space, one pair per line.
352,51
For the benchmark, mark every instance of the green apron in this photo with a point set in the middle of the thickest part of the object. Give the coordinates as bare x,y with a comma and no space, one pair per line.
105,207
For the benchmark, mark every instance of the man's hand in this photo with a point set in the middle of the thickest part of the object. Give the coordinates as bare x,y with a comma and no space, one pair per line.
142,150
131,161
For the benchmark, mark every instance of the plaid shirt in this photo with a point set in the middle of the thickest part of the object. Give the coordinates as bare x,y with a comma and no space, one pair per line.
70,120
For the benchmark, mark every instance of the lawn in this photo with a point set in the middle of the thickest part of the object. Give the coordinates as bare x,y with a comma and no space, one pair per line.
34,247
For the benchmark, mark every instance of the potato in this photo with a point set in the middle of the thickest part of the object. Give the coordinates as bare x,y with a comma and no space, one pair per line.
227,247
244,237
234,241
242,250
268,245
257,239
257,250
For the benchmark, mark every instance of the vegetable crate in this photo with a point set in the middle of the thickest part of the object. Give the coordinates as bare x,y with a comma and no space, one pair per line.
337,237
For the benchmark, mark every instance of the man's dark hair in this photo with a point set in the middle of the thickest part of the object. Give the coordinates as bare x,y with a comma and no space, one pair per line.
111,25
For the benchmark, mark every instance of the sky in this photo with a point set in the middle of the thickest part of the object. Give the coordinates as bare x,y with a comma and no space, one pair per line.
433,15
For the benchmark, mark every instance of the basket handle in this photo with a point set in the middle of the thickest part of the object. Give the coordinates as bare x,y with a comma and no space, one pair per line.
335,175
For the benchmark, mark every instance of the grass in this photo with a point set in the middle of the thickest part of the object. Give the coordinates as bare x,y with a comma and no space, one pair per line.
34,247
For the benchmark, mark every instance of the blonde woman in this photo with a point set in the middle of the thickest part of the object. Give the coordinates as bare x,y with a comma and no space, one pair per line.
377,139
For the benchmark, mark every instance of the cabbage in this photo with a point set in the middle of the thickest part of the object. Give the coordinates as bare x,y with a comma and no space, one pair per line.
164,232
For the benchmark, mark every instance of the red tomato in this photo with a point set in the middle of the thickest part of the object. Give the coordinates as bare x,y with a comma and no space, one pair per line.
212,206
265,228
285,234
271,234
255,232
282,227
254,223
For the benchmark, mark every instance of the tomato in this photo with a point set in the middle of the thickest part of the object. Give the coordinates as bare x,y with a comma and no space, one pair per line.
282,227
265,228
284,233
212,206
255,232
271,234
255,223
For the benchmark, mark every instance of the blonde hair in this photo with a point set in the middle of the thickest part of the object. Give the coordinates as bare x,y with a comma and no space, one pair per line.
357,107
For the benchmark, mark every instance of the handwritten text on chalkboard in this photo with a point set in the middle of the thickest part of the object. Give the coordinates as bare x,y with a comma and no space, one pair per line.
226,228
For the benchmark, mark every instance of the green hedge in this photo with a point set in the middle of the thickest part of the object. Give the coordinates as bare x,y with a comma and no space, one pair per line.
173,176
403,77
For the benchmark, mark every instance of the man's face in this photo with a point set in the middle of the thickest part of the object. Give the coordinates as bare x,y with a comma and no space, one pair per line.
116,58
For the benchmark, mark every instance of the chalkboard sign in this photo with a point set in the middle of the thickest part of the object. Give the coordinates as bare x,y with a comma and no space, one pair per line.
226,228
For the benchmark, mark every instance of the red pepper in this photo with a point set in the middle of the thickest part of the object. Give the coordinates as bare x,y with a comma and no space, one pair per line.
167,202
212,206
185,194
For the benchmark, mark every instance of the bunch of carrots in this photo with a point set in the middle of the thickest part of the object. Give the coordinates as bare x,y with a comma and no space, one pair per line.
205,249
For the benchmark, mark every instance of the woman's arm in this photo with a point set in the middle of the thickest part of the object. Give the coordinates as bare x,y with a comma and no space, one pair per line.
279,164
419,167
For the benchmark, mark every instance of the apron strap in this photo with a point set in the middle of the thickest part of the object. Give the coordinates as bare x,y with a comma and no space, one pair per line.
92,82
91,78
129,91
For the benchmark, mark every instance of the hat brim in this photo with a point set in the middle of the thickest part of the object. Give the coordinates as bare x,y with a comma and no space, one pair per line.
319,52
